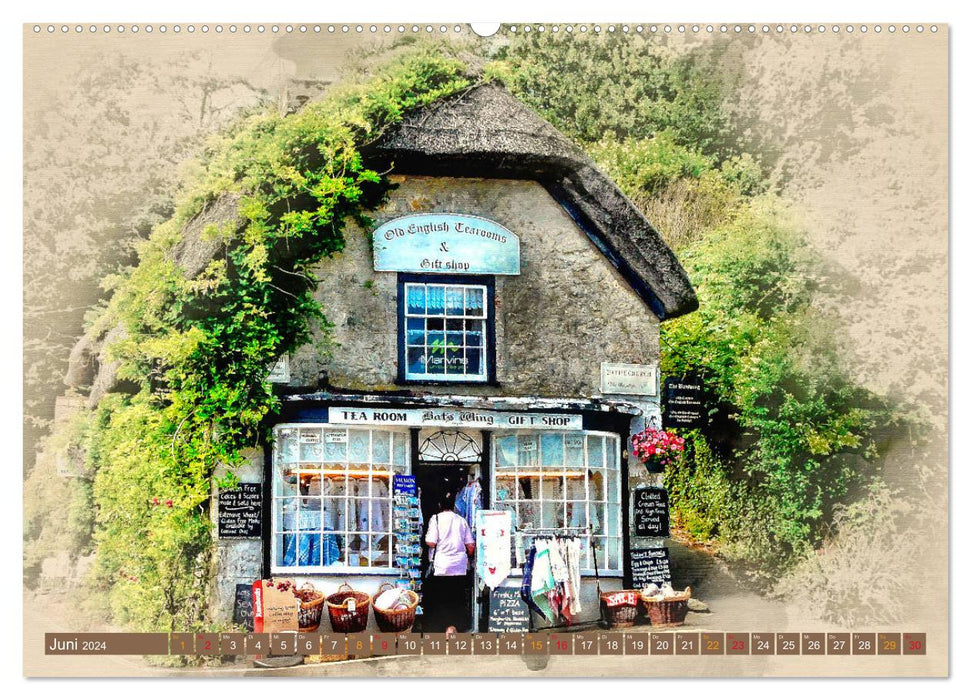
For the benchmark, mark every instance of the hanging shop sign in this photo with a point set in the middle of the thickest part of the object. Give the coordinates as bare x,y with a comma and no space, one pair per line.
507,611
651,512
683,403
629,380
494,546
650,566
454,417
240,512
446,244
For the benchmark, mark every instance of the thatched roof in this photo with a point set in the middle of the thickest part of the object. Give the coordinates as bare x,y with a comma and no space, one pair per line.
486,132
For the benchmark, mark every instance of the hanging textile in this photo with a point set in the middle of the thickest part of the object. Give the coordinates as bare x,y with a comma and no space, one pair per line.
542,579
469,502
525,590
493,546
572,561
560,598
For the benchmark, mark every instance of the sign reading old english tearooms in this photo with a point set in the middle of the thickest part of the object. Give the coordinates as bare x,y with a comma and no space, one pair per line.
446,244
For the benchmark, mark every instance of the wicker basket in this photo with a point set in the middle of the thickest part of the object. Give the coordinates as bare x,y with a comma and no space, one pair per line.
619,608
311,607
343,620
395,620
667,612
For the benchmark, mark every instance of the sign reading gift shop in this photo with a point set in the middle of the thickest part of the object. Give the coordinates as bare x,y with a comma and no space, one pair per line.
454,417
446,244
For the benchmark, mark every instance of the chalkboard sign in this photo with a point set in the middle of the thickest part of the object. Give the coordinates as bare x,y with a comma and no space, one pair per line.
241,512
683,403
507,611
650,566
651,512
243,608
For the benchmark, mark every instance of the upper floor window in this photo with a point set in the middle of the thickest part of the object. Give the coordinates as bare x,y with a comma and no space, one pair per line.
446,331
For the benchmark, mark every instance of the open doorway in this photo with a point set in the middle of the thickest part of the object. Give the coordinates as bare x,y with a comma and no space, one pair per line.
452,606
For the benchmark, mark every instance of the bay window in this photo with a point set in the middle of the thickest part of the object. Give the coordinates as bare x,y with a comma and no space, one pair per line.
568,481
331,505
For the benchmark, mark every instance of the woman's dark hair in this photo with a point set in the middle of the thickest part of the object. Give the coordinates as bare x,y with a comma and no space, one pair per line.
447,502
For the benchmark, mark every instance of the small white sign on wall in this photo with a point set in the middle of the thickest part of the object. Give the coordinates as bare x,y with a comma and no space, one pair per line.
280,372
630,380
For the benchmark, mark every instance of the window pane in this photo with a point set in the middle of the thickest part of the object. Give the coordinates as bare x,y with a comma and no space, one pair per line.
400,446
454,301
473,362
576,513
358,446
613,461
287,445
553,514
506,451
416,360
528,450
381,447
573,450
596,485
436,300
416,299
474,301
551,446
416,331
595,450
454,359
474,332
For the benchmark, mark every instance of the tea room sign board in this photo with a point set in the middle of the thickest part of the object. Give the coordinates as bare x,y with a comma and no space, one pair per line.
454,417
446,244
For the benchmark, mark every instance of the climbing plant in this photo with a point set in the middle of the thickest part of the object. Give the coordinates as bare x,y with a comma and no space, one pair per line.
197,348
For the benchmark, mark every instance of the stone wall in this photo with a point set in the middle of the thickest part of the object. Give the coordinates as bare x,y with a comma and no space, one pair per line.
566,313
236,561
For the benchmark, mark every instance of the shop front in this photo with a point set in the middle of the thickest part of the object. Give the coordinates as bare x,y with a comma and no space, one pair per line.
557,474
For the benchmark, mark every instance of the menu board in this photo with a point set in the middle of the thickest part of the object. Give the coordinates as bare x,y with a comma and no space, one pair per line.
243,607
651,512
241,512
507,611
683,403
650,566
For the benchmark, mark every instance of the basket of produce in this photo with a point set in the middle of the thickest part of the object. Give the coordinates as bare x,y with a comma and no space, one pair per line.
348,610
394,608
665,606
619,608
311,607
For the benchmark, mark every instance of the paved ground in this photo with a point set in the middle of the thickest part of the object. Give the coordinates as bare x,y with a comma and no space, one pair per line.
734,608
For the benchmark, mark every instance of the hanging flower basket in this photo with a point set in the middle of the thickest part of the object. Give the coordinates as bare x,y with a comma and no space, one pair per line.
656,448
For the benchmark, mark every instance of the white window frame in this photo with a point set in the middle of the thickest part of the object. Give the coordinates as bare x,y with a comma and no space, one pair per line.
464,317
322,465
611,532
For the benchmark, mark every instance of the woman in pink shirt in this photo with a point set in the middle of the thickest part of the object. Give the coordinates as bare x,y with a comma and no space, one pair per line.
450,545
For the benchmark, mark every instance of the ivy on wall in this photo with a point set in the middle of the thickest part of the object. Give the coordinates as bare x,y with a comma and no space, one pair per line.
198,349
